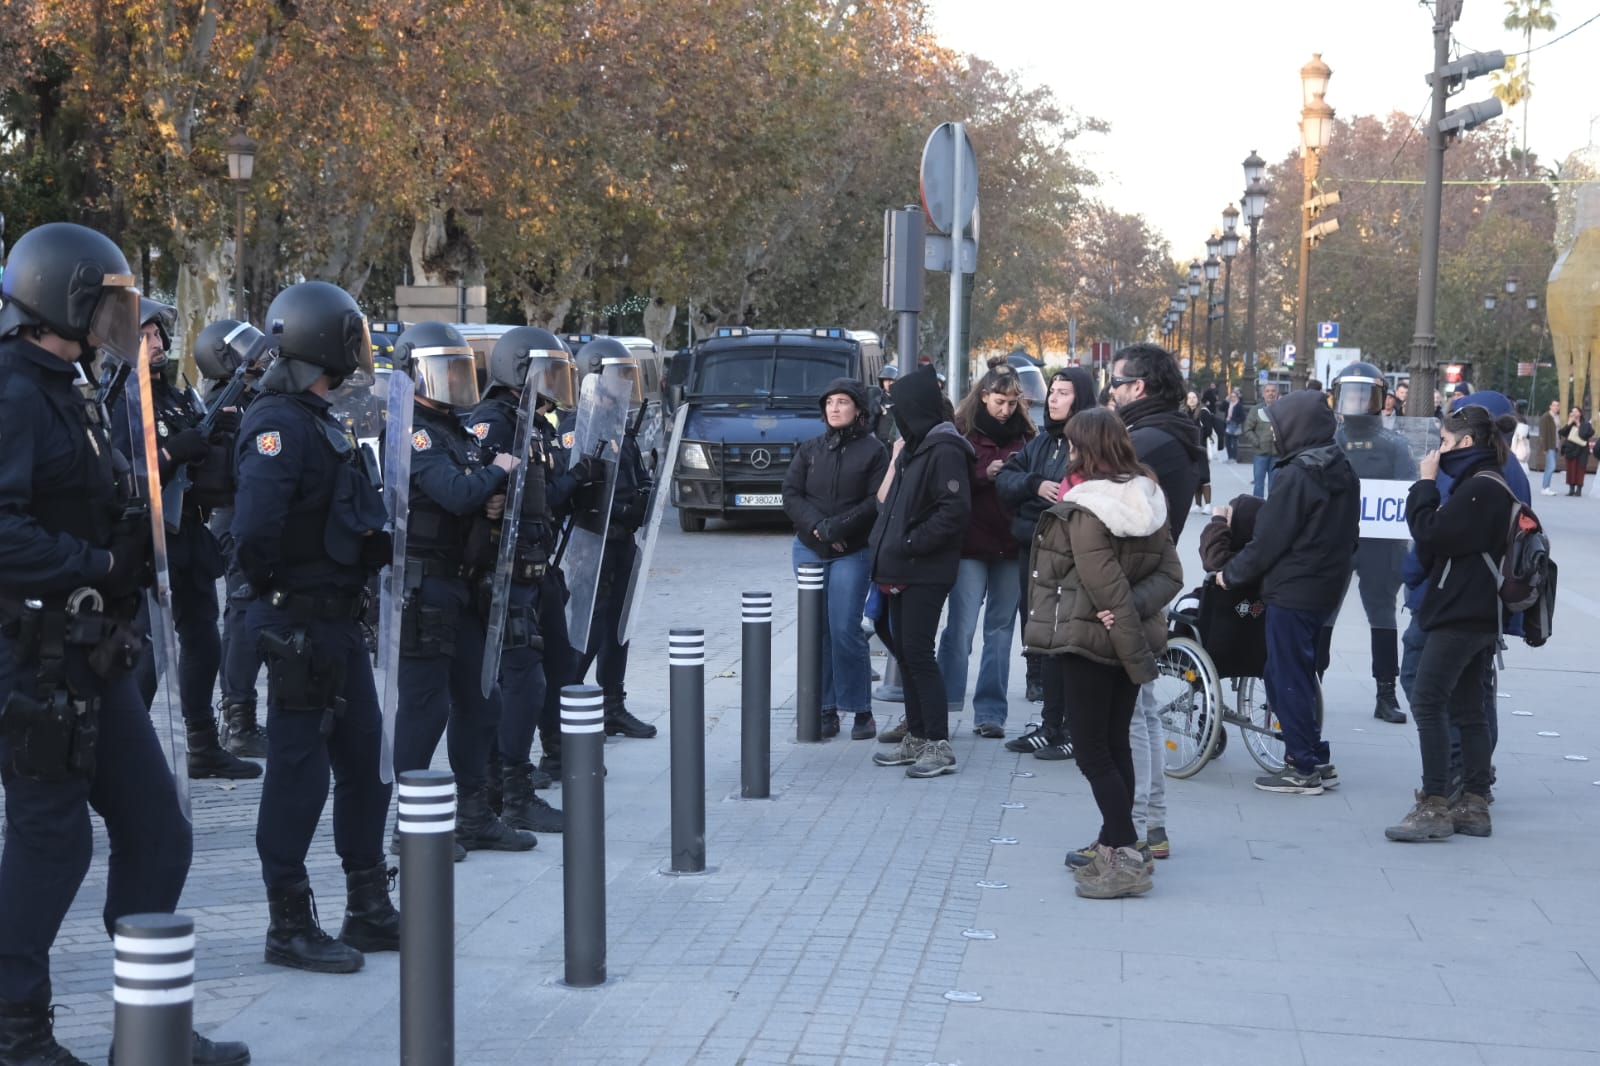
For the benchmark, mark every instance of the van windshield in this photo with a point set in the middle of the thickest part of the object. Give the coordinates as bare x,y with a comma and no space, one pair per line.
768,373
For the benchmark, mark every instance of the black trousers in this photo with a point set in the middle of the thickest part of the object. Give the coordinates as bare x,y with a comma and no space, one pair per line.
1448,692
606,651
914,618
1099,712
522,682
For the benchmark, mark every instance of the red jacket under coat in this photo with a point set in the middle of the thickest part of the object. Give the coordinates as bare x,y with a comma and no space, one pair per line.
989,533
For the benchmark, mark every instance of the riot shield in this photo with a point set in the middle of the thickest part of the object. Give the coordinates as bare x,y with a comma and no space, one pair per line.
505,557
392,581
602,419
660,489
651,420
163,638
1384,453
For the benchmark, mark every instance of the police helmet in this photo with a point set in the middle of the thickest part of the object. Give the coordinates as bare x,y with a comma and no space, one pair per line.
1359,389
526,347
890,372
75,282
224,346
440,362
162,317
318,323
609,356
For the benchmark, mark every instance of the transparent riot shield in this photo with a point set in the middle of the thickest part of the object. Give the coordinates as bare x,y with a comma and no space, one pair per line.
647,432
602,419
392,580
1384,455
660,489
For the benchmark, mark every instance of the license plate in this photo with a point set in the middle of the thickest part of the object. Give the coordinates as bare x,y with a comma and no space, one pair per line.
758,499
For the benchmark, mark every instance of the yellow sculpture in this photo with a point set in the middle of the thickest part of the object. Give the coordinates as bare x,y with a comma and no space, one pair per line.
1573,298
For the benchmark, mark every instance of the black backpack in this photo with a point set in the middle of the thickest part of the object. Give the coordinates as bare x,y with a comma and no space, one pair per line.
1526,574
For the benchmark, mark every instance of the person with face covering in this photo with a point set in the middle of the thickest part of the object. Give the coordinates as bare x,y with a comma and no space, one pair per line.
924,506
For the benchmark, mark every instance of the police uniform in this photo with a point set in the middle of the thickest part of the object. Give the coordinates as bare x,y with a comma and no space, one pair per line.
560,659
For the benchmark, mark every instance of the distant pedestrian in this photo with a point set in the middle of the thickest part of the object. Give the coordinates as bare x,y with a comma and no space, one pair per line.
1519,436
1257,434
1575,437
1550,444
1233,424
1206,423
1105,569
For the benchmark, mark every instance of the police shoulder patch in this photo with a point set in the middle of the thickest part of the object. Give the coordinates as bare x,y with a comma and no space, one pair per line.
566,440
269,444
479,430
420,441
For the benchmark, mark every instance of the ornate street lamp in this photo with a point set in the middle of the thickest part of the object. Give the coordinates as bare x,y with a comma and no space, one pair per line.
1255,206
1230,249
1213,270
1316,130
241,153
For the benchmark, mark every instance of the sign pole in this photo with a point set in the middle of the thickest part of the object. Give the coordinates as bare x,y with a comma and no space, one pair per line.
958,230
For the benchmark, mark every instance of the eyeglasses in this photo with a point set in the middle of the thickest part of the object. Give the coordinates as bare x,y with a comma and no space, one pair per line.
1117,382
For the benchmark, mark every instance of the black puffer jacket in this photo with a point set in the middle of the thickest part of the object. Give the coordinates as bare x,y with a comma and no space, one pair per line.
1042,459
918,534
832,485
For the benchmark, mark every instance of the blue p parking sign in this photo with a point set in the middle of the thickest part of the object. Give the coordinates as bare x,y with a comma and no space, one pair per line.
1328,334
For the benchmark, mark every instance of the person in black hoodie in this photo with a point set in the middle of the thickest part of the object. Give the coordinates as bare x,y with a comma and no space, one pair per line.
830,494
1461,542
923,509
1029,483
1302,554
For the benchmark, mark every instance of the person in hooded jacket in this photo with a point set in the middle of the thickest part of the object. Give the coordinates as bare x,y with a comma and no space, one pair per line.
924,505
1029,483
1302,555
994,418
1104,569
830,494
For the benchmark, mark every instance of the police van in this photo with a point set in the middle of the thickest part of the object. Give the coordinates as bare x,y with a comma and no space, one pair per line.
753,397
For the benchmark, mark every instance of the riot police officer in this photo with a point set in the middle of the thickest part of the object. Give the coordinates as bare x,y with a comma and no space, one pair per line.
1379,454
220,350
74,732
195,558
533,660
307,532
454,495
630,501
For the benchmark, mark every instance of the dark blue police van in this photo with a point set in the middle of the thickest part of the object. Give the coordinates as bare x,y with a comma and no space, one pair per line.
753,396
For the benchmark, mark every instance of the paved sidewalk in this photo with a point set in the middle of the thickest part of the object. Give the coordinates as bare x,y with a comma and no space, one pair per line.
830,927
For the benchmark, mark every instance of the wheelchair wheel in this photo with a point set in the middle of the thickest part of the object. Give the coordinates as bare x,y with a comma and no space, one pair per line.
1187,694
1259,727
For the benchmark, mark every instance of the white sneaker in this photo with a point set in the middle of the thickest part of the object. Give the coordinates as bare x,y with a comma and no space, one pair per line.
1547,492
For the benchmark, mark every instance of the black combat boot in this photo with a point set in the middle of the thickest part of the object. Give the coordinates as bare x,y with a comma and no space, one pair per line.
478,828
206,757
370,921
27,1037
524,809
240,733
550,761
294,938
1388,706
620,722
203,1052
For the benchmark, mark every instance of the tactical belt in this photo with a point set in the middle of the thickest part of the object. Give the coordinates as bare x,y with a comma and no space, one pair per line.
417,569
334,607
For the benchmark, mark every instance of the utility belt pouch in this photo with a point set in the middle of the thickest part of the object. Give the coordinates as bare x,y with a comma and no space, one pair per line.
522,629
426,629
302,678
51,735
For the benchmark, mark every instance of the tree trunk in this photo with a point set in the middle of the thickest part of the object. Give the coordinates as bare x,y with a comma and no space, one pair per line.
203,278
659,319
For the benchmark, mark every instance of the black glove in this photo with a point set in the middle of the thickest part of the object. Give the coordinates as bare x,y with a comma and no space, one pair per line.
633,513
589,469
824,531
130,560
186,447
377,551
225,426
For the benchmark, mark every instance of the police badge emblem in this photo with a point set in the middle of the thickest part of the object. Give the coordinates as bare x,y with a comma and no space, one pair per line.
420,441
269,444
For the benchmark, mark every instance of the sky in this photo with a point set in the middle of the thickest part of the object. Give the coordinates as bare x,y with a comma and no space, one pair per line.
1190,89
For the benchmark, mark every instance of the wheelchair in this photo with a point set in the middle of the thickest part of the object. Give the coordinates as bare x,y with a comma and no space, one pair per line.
1211,676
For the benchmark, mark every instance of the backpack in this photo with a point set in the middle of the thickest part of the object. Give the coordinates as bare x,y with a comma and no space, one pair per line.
1525,575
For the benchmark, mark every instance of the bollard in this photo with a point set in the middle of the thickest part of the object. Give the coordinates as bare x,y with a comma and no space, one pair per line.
686,662
427,830
812,615
890,691
755,698
583,844
153,971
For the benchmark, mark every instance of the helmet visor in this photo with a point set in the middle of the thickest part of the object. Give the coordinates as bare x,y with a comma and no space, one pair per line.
114,327
447,376
552,376
626,368
358,342
1357,396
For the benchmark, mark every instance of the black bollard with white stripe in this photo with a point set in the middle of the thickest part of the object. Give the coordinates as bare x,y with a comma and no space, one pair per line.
686,663
755,698
153,1023
583,844
811,615
427,825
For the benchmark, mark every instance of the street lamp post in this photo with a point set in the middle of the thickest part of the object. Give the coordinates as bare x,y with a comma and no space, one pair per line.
241,153
1180,303
1194,302
1316,129
1213,270
1230,249
1255,205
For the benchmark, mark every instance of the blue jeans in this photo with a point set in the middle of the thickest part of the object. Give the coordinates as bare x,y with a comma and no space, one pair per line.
846,668
1291,683
977,581
1261,466
1549,466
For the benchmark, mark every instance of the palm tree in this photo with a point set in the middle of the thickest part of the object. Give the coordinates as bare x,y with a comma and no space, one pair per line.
1517,85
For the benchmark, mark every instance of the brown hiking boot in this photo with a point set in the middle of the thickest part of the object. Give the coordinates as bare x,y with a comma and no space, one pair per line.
895,734
1124,875
1470,815
1429,820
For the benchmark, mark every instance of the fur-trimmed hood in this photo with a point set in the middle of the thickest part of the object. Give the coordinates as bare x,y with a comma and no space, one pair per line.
1133,508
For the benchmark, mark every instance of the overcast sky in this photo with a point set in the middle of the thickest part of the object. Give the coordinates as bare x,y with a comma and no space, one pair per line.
1191,88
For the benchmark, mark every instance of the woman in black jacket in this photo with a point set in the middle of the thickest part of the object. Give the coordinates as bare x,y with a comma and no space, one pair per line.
830,494
1575,436
923,509
1461,542
1029,484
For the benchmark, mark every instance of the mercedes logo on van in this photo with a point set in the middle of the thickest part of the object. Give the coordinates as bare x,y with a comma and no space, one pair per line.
760,458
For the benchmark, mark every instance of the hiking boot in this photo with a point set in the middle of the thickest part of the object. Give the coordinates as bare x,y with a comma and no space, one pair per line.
479,829
241,735
207,759
935,758
1057,751
1160,846
370,921
294,938
989,730
1428,820
1292,781
1470,815
830,724
1115,874
1388,706
895,733
523,807
1032,740
904,754
27,1037
865,728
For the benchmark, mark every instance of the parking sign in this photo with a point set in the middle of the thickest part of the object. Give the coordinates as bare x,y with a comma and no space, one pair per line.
1328,334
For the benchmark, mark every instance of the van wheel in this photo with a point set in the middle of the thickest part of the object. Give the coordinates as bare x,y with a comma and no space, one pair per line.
690,522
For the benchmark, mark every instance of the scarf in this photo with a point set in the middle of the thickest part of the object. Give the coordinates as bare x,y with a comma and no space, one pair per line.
1001,433
1459,460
